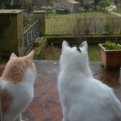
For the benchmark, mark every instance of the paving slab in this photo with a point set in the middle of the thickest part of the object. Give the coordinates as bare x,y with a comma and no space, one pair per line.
46,104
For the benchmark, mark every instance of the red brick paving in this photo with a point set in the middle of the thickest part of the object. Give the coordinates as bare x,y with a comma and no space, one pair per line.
46,104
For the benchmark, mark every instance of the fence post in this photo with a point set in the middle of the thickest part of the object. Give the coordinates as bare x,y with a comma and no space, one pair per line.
11,32
40,15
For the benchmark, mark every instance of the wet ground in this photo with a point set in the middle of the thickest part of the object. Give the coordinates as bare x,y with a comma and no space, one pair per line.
46,104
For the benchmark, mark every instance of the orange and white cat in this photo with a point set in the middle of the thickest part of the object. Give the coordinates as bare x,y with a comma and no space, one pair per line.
16,86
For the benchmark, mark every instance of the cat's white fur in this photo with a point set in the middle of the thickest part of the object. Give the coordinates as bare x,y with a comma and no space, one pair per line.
22,92
84,98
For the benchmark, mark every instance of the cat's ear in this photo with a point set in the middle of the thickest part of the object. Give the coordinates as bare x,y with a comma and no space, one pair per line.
84,44
31,55
64,44
13,56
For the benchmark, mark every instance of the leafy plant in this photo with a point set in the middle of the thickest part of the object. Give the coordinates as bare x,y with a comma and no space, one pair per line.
104,4
107,28
87,6
39,49
112,46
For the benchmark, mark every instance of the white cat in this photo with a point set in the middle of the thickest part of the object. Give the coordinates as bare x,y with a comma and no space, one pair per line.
84,98
16,86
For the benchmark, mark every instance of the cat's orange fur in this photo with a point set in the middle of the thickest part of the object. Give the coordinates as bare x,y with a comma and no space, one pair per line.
14,73
6,100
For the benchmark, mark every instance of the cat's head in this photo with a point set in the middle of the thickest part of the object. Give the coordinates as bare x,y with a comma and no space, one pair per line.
74,57
18,67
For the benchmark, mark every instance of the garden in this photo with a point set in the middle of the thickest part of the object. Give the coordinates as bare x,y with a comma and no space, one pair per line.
90,25
53,53
49,51
71,24
109,52
60,26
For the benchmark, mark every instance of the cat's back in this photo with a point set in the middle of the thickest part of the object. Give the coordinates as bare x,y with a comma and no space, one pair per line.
16,85
101,99
83,87
83,95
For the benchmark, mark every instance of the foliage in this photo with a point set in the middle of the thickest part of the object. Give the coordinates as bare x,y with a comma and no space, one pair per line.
107,29
87,6
117,10
97,2
112,46
94,4
26,5
104,3
39,49
5,2
81,2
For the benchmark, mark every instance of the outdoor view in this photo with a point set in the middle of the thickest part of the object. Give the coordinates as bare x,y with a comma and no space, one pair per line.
53,56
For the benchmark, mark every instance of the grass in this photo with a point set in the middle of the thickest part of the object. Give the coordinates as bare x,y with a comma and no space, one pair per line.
65,24
54,52
117,10
51,53
83,14
94,53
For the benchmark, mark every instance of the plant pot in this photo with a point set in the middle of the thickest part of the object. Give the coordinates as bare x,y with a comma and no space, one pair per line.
111,59
36,43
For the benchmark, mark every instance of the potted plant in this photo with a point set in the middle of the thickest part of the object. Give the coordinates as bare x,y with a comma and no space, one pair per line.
110,55
37,41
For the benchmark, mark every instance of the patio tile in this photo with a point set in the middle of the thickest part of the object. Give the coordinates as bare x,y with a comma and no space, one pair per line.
53,106
46,104
119,95
59,119
46,117
34,110
37,92
44,97
42,86
116,88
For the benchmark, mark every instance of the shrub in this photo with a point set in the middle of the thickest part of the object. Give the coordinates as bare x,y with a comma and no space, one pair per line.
112,46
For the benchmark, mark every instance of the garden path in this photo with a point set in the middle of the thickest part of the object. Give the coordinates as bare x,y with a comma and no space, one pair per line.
111,11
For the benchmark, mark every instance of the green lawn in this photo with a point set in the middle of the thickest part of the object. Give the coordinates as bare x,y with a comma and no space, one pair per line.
54,52
94,53
117,10
68,24
84,14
